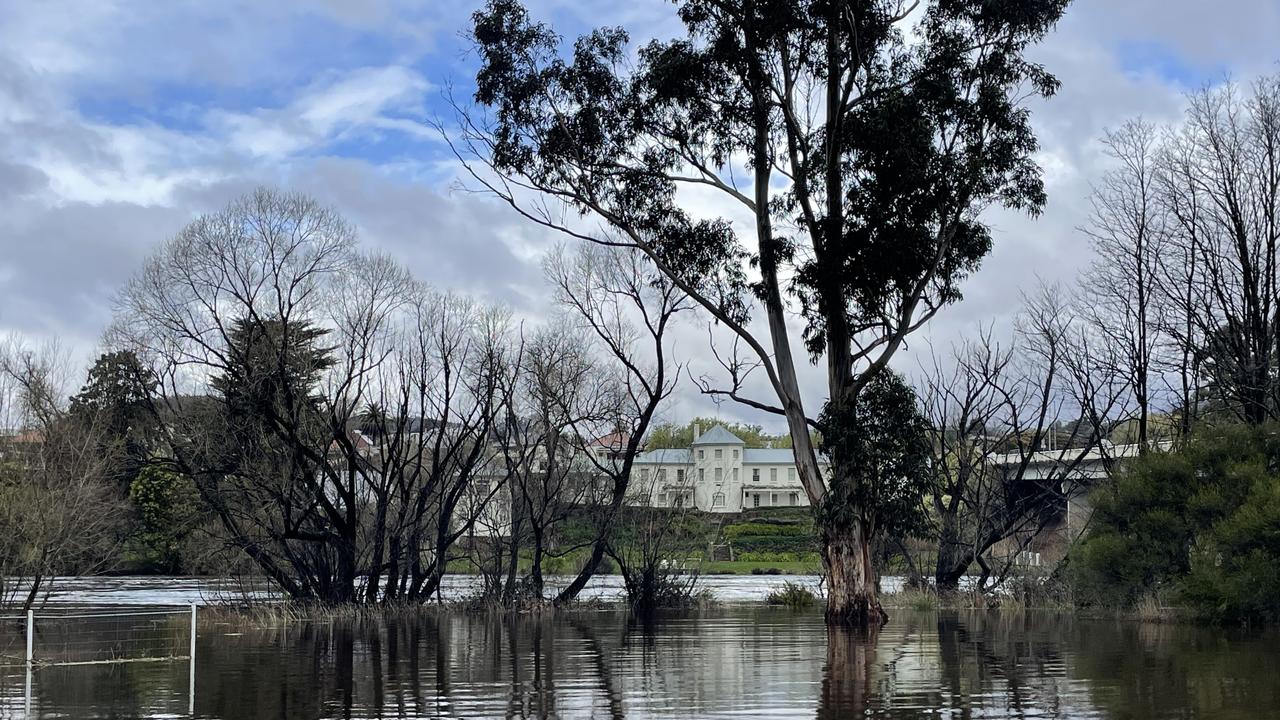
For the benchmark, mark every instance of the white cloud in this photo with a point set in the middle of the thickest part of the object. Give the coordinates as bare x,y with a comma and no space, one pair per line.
382,97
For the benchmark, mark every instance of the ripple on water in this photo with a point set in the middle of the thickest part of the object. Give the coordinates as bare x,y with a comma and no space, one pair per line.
739,661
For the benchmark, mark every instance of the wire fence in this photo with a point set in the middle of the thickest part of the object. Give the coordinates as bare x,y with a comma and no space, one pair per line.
13,640
93,637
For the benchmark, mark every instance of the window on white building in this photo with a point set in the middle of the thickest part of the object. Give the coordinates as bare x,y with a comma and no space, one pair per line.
773,498
719,474
717,500
679,475
719,453
644,475
755,500
701,454
735,474
791,474
795,498
662,475
735,453
662,499
773,474
755,474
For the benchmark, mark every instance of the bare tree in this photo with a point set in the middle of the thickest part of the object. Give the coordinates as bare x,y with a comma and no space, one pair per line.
1123,283
61,513
559,388
1002,471
1220,184
627,308
332,411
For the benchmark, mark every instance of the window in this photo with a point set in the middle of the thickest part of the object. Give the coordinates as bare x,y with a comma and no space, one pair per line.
755,500
795,498
755,474
719,474
735,474
644,475
678,499
717,500
701,474
701,454
662,499
679,475
719,453
735,453
773,474
662,475
791,474
773,499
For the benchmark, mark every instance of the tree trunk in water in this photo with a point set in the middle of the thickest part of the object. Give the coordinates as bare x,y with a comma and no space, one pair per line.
953,559
851,583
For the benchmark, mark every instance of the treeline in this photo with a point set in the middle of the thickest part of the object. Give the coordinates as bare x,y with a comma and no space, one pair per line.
1188,230
1150,387
279,403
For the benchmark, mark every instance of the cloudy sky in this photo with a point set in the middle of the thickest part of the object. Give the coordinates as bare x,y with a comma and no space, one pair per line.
120,120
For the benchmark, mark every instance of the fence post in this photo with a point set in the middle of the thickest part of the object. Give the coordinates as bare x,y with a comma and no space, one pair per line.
191,683
31,644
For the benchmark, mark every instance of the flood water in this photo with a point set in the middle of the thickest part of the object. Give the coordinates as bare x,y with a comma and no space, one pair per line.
741,660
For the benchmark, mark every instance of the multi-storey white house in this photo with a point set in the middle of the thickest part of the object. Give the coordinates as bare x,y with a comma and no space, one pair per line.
718,473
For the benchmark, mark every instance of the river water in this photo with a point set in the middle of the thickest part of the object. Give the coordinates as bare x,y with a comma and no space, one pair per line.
740,660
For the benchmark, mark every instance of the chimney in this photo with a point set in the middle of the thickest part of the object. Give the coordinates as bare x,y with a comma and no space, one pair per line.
697,431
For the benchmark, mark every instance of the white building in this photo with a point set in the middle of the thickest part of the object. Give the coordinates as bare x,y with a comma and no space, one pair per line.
719,474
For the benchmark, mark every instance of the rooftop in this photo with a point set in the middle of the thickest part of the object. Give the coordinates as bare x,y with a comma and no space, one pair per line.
718,436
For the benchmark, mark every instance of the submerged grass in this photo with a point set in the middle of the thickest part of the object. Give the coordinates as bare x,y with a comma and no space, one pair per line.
793,595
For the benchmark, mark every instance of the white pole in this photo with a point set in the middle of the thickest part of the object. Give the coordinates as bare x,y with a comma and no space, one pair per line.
31,642
191,683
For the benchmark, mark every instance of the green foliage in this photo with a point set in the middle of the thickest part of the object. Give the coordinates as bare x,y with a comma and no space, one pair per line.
168,509
811,557
793,595
272,369
879,449
1201,525
668,435
116,398
738,530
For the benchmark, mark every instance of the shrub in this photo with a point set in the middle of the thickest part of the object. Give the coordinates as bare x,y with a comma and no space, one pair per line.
793,595
1201,525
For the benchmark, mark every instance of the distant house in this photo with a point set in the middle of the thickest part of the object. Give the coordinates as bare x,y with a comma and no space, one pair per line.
718,473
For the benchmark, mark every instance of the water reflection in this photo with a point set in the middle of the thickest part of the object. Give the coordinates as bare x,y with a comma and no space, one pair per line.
735,662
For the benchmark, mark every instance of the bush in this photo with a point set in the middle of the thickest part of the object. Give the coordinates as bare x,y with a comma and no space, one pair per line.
1201,525
793,595
738,530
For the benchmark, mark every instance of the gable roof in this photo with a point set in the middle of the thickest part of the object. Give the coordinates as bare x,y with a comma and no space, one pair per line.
718,436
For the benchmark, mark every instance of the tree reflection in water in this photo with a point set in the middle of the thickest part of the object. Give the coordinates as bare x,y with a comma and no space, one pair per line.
733,662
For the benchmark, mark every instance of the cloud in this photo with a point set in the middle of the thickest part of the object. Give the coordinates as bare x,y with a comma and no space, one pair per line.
120,120
363,100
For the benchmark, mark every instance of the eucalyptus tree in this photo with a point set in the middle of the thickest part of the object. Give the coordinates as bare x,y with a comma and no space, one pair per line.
862,139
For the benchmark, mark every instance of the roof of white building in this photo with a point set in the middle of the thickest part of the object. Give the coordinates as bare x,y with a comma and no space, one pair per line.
666,456
718,436
768,456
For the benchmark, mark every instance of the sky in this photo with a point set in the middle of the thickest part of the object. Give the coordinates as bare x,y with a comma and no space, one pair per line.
122,120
